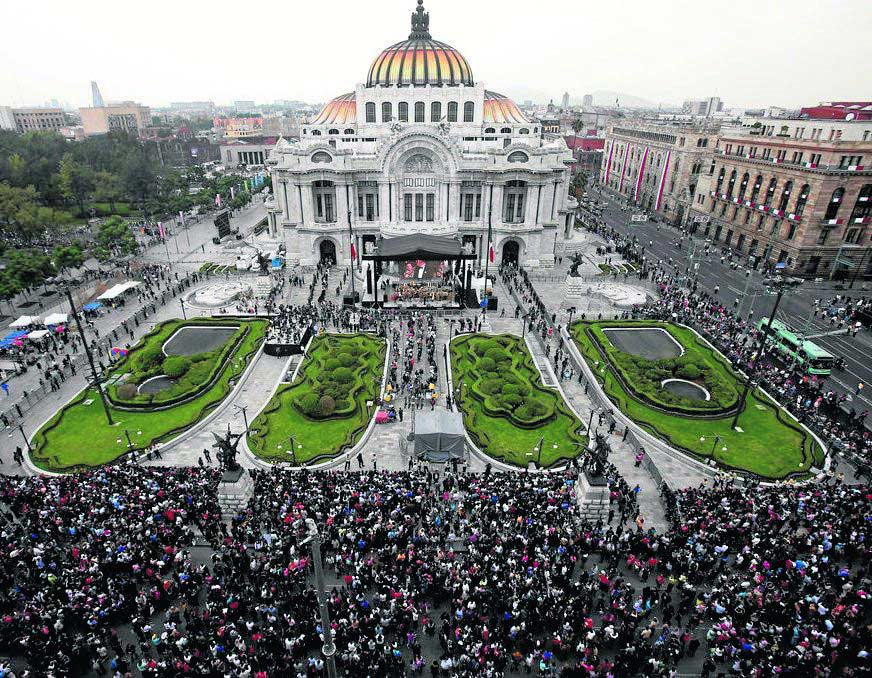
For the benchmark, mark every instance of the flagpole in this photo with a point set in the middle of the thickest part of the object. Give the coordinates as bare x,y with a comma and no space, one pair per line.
490,209
351,254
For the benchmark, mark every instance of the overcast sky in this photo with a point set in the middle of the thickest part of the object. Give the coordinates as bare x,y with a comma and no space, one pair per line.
748,52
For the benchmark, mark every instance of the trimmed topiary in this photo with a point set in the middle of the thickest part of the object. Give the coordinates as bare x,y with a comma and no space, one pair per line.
346,359
331,364
327,405
343,375
497,354
176,365
127,391
310,404
487,364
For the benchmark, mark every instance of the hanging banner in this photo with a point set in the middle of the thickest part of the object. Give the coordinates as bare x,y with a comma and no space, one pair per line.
641,173
662,181
609,163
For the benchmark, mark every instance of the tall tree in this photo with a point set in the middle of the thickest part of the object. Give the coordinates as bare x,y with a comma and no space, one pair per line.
76,181
107,188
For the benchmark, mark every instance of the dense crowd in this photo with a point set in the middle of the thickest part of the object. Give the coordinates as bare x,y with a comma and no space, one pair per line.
130,571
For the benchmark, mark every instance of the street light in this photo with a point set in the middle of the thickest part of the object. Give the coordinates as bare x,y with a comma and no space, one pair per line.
182,302
328,648
717,440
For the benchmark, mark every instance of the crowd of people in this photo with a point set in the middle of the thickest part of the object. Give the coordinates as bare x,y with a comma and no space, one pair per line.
130,570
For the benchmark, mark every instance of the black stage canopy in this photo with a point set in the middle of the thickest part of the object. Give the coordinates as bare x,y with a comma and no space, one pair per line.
418,246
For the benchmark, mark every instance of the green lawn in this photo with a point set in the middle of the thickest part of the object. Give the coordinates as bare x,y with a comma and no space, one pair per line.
506,408
79,436
345,369
771,444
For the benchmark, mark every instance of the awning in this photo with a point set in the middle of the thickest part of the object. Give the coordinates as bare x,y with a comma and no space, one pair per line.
439,436
117,290
38,334
25,320
418,246
55,319
93,306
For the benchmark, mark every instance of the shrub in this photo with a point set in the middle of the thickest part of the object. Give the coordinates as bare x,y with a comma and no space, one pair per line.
689,371
497,354
331,364
491,385
487,364
346,359
510,401
510,388
146,357
327,405
175,366
482,346
127,391
310,404
343,375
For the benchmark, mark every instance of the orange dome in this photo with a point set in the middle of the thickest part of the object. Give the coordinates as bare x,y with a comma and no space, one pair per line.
501,109
340,111
420,60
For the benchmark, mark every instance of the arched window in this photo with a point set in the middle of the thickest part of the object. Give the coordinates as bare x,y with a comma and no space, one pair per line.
387,111
518,156
743,186
419,111
755,192
403,111
349,131
506,130
370,112
514,199
770,192
316,133
785,196
469,112
731,184
802,200
435,111
834,204
321,156
333,131
524,130
863,206
720,183
490,130
324,197
452,111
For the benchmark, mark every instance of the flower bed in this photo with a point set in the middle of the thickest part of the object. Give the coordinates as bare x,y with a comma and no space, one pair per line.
506,408
325,409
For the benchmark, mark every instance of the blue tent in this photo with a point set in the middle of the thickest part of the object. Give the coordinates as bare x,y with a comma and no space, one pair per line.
93,306
6,341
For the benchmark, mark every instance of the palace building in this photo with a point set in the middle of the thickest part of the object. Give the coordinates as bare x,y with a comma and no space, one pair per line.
422,147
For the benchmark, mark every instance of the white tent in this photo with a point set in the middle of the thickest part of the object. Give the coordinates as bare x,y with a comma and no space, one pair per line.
38,334
55,319
24,321
117,290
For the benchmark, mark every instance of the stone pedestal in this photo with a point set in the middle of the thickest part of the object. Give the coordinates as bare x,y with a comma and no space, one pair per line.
234,491
593,497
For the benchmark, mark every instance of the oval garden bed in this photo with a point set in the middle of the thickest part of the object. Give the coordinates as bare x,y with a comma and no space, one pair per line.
325,410
79,436
506,408
769,443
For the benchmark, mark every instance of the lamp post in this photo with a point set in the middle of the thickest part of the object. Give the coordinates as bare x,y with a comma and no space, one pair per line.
539,452
351,259
129,441
90,358
182,302
293,449
571,310
328,648
26,441
244,410
780,284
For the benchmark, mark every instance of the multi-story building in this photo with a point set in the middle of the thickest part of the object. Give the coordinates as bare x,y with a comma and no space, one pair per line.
247,152
797,192
703,107
423,149
7,118
587,101
38,119
587,153
125,116
656,166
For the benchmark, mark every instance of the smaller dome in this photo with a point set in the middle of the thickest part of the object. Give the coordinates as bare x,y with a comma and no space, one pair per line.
341,111
500,109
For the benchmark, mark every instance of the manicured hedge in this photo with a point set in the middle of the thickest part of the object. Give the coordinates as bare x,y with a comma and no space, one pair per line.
506,408
325,409
770,443
78,436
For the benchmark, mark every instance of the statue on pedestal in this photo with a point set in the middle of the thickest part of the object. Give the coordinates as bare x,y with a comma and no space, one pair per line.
227,450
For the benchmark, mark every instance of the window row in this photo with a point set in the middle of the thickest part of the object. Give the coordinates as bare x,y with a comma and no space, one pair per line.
420,112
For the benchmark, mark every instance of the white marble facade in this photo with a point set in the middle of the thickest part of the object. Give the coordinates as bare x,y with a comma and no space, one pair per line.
422,148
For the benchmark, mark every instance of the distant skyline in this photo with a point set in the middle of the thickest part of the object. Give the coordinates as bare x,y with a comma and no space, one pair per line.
777,53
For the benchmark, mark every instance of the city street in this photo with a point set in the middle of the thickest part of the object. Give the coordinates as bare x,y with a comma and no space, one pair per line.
661,242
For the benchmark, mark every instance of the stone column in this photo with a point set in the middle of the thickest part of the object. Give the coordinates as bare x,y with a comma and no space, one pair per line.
530,204
308,206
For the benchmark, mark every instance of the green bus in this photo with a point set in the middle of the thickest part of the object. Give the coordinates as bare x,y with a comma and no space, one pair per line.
805,353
